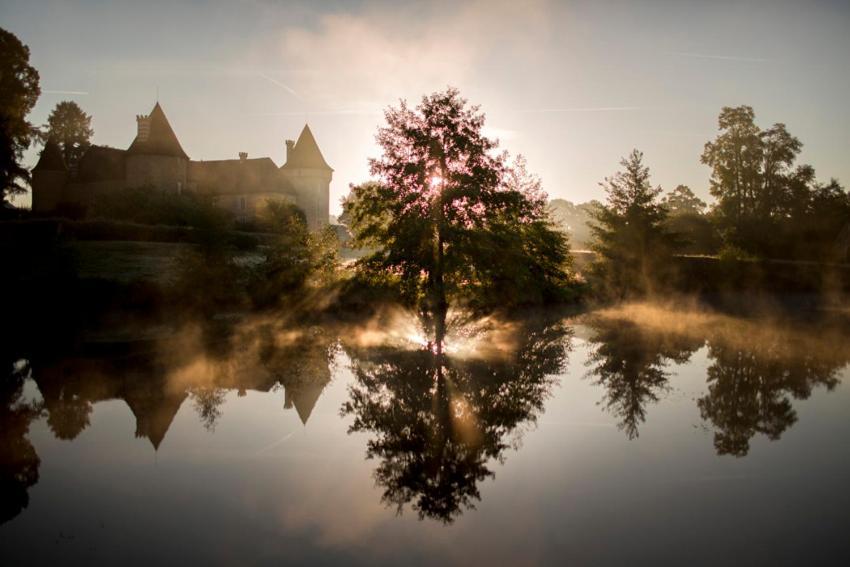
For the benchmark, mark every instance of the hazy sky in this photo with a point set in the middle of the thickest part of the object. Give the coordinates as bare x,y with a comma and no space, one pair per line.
571,85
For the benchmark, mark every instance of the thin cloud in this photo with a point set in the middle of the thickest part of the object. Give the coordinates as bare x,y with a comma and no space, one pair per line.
285,87
721,57
64,92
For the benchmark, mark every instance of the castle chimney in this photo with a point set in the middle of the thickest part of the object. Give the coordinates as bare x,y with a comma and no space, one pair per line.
144,127
289,145
243,156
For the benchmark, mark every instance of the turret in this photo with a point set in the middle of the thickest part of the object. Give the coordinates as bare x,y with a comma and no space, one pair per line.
155,159
49,178
310,176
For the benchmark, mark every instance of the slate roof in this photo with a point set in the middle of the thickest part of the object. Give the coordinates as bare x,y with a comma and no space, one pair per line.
162,141
237,176
306,153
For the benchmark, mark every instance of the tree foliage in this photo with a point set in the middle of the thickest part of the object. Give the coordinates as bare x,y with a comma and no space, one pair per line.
71,129
19,92
765,203
682,201
450,216
294,258
632,245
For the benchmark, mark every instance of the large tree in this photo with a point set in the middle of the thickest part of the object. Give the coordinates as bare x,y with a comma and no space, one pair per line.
450,216
751,176
766,204
632,245
69,127
19,91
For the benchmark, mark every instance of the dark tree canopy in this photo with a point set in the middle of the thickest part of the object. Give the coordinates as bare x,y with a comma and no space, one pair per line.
766,204
632,245
450,217
69,127
19,92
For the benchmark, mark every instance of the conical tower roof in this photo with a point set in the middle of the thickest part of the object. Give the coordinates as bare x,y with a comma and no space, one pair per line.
161,139
306,153
51,158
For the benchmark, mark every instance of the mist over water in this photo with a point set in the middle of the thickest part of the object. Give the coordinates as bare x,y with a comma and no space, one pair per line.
364,443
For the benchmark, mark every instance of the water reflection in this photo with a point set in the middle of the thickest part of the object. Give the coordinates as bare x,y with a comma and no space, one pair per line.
750,389
18,460
630,362
756,367
438,419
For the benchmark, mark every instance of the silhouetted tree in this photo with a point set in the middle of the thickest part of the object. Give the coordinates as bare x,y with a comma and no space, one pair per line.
633,247
295,256
69,127
764,202
19,91
445,206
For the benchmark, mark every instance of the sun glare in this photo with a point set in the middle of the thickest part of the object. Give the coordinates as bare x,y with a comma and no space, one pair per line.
435,181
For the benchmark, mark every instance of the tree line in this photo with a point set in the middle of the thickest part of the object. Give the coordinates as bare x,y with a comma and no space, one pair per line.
448,218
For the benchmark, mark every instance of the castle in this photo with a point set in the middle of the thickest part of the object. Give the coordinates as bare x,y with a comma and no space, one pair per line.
156,160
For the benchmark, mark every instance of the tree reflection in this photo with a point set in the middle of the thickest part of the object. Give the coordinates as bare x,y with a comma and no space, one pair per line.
19,462
438,418
757,367
629,361
750,386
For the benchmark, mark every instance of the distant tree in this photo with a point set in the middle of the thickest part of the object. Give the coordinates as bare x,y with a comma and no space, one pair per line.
69,127
449,216
574,219
687,219
632,245
682,200
19,91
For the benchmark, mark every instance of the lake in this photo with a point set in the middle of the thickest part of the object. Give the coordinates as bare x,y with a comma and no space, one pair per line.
639,434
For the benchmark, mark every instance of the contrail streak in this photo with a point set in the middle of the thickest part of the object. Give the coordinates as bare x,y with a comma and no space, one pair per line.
285,87
45,91
721,57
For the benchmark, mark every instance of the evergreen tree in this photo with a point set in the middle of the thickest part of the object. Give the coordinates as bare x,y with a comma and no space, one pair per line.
633,247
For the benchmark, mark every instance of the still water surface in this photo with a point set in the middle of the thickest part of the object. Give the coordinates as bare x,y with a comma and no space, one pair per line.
637,435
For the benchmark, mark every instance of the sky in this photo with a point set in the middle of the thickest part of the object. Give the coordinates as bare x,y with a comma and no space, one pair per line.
573,86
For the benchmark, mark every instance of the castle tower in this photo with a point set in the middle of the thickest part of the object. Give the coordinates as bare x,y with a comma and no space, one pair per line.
310,177
155,159
49,177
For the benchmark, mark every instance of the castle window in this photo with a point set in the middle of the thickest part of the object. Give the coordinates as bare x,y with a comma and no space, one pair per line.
241,203
179,187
